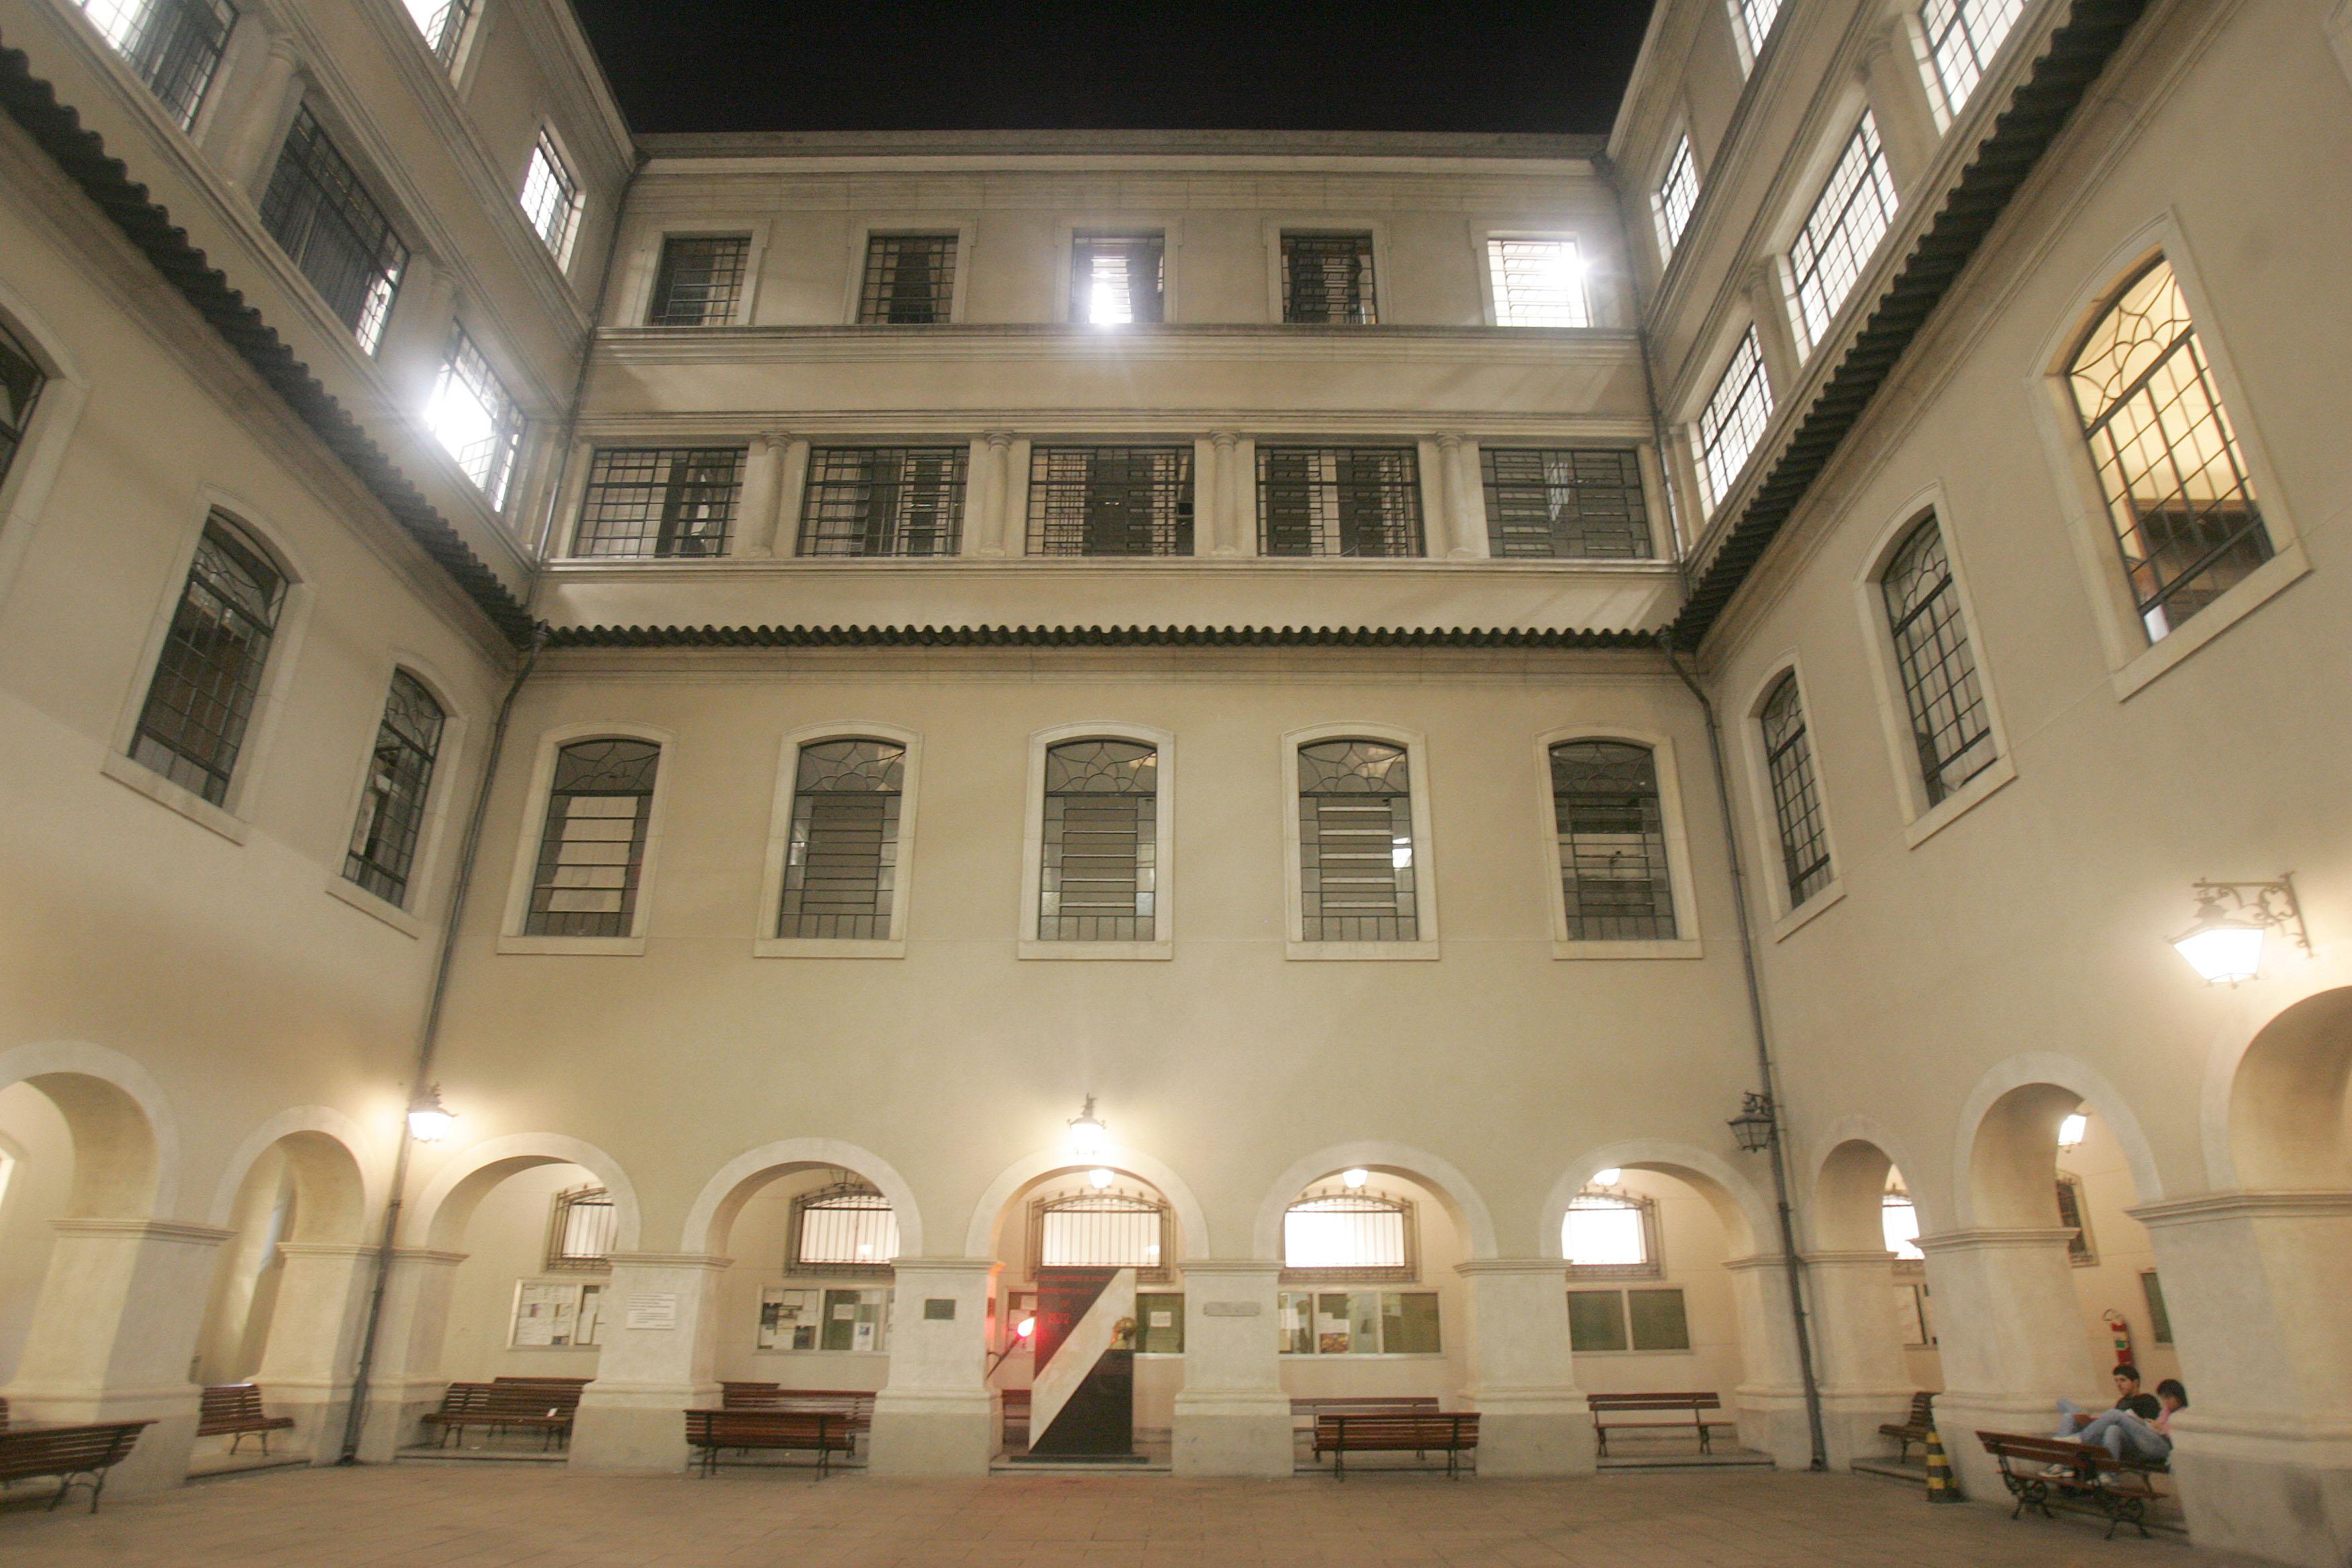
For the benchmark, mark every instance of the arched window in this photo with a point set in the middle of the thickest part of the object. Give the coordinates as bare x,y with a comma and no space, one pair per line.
20,388
579,1229
1796,797
1099,881
400,778
208,678
846,1228
1350,1234
1107,1229
1951,727
1355,843
2176,484
841,866
1612,841
1610,1233
593,849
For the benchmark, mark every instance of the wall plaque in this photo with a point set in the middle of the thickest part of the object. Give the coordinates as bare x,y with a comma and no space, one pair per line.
1232,1308
657,1311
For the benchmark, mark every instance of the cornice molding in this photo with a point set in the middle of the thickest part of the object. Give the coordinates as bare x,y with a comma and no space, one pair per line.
709,636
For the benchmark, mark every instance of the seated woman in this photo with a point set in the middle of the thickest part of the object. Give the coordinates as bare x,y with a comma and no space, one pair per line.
2131,1436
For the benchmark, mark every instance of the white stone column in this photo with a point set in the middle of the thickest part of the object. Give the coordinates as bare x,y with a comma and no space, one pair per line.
1210,523
2010,1329
1770,1402
1775,334
112,1336
1899,103
936,1415
1466,499
2259,1289
1240,497
249,143
983,523
1232,1415
405,1380
1013,538
306,1368
1533,1420
756,528
792,483
658,1356
1865,1379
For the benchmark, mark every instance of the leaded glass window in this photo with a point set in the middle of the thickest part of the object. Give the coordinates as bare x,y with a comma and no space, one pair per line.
20,389
593,849
400,779
1100,878
2179,495
910,280
842,864
1356,875
1116,279
1537,282
201,701
1339,500
443,24
1796,796
1844,227
1612,841
172,46
1110,501
316,209
1733,421
1963,36
1563,503
1677,196
700,281
477,419
883,501
1951,729
1359,1234
667,502
551,198
1327,280
846,1228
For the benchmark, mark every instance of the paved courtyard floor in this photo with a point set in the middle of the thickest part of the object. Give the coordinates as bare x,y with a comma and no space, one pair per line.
530,1516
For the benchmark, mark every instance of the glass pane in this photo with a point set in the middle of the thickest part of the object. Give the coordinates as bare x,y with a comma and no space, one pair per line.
1408,1323
1596,1319
1159,1323
1604,1233
1658,1321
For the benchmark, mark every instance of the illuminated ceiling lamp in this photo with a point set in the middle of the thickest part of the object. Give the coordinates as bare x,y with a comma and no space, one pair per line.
1088,1136
429,1120
1354,1177
2224,945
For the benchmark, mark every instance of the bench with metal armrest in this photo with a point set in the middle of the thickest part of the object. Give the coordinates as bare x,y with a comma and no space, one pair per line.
72,1456
1695,1404
2036,1469
233,1410
1421,1432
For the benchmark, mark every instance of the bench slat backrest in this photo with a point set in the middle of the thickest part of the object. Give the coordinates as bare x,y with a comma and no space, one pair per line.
517,1399
229,1402
57,1451
1365,1403
1411,1429
2008,1445
1609,1401
1923,1409
753,1429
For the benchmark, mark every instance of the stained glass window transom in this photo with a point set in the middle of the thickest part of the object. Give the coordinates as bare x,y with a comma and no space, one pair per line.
841,862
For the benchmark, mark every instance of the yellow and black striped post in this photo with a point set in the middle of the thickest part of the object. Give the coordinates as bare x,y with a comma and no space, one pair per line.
1941,1486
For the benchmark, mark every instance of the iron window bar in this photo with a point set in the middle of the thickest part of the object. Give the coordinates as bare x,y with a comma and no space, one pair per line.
333,231
883,501
1099,876
1616,1201
1537,282
593,849
208,678
1855,209
1327,280
845,1228
551,198
1339,500
1951,729
664,503
1118,279
581,1226
1110,501
1112,1229
1614,875
478,420
841,862
20,391
910,280
1963,36
1374,1236
1734,419
1357,871
400,780
1796,793
701,280
1565,503
174,47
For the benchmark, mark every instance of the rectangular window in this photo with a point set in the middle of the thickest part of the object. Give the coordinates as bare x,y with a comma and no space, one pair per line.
442,25
1596,1321
855,1320
883,501
1796,796
551,198
666,502
789,1318
400,780
910,280
1100,1230
1356,875
1537,283
1651,1320
1116,279
332,231
1760,16
1159,1322
476,418
700,282
1341,1235
1733,421
1565,503
1098,879
1339,500
172,46
1359,1323
1963,36
841,868
593,848
1847,222
1677,197
2159,1321
1951,727
1609,1234
1110,501
843,1229
1658,1319
208,678
1327,280
581,1226
1612,841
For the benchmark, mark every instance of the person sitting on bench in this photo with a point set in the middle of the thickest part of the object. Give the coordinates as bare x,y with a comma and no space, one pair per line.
2131,1436
2073,1418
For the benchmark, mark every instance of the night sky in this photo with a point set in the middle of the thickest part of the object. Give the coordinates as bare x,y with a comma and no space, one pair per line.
917,65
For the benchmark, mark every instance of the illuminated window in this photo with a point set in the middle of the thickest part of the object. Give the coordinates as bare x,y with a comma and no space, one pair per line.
1963,35
1339,500
1612,841
1759,16
1733,421
841,869
1537,282
700,281
172,46
20,388
1608,1232
400,780
442,25
322,216
2178,496
1951,727
1796,795
579,1229
593,849
476,418
1898,1222
1116,279
1327,280
1842,231
667,502
1101,1230
1098,881
1358,1235
1677,197
208,678
1355,843
846,1228
1359,1323
551,198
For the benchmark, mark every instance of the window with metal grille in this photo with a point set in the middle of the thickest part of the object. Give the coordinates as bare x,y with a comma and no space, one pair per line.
910,280
1339,500
443,24
332,231
2179,495
399,781
1733,421
1357,1323
172,46
1564,503
1852,216
846,1228
551,198
2073,1213
594,848
1116,279
1796,796
209,676
20,389
1952,730
1608,1233
1677,196
883,501
1963,36
701,280
842,865
1537,282
1327,280
476,418
1760,16
1101,1230
1100,878
664,501
1357,1234
580,1225
1110,501
1356,875
1612,841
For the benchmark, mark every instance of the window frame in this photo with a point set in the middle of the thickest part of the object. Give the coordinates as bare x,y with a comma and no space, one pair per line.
1144,1196
1413,490
813,478
1653,1238
195,122
1750,338
1163,945
1669,239
444,368
1688,941
1864,130
448,763
1743,30
1485,241
1068,234
794,1268
1427,945
1787,917
592,455
591,1194
863,231
765,943
1653,515
512,938
563,247
1275,225
1623,1292
41,446
645,286
329,134
1405,1273
1027,452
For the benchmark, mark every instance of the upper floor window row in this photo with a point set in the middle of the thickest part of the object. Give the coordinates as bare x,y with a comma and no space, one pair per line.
172,46
1677,196
551,198
323,217
1849,218
1733,422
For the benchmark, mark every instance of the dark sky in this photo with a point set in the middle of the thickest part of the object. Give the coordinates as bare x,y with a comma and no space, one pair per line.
1313,65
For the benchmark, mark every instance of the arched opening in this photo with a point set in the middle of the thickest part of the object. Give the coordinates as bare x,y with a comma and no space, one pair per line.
1371,1303
1876,1311
2290,1099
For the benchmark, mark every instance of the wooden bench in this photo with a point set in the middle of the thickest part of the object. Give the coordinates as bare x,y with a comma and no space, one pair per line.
1451,1433
710,1432
1372,1404
2036,1469
544,1407
1695,1405
233,1410
1914,1429
855,1406
70,1456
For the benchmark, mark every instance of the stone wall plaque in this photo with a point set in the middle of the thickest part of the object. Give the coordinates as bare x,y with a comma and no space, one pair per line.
657,1309
1232,1308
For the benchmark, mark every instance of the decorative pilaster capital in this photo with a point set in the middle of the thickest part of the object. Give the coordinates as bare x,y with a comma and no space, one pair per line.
774,442
1878,48
999,441
282,57
1449,441
1225,440
712,1262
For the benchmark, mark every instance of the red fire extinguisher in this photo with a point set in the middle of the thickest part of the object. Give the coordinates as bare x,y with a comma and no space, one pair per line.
2122,1330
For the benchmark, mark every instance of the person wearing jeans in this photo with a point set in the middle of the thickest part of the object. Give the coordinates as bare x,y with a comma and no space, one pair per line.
2131,1436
